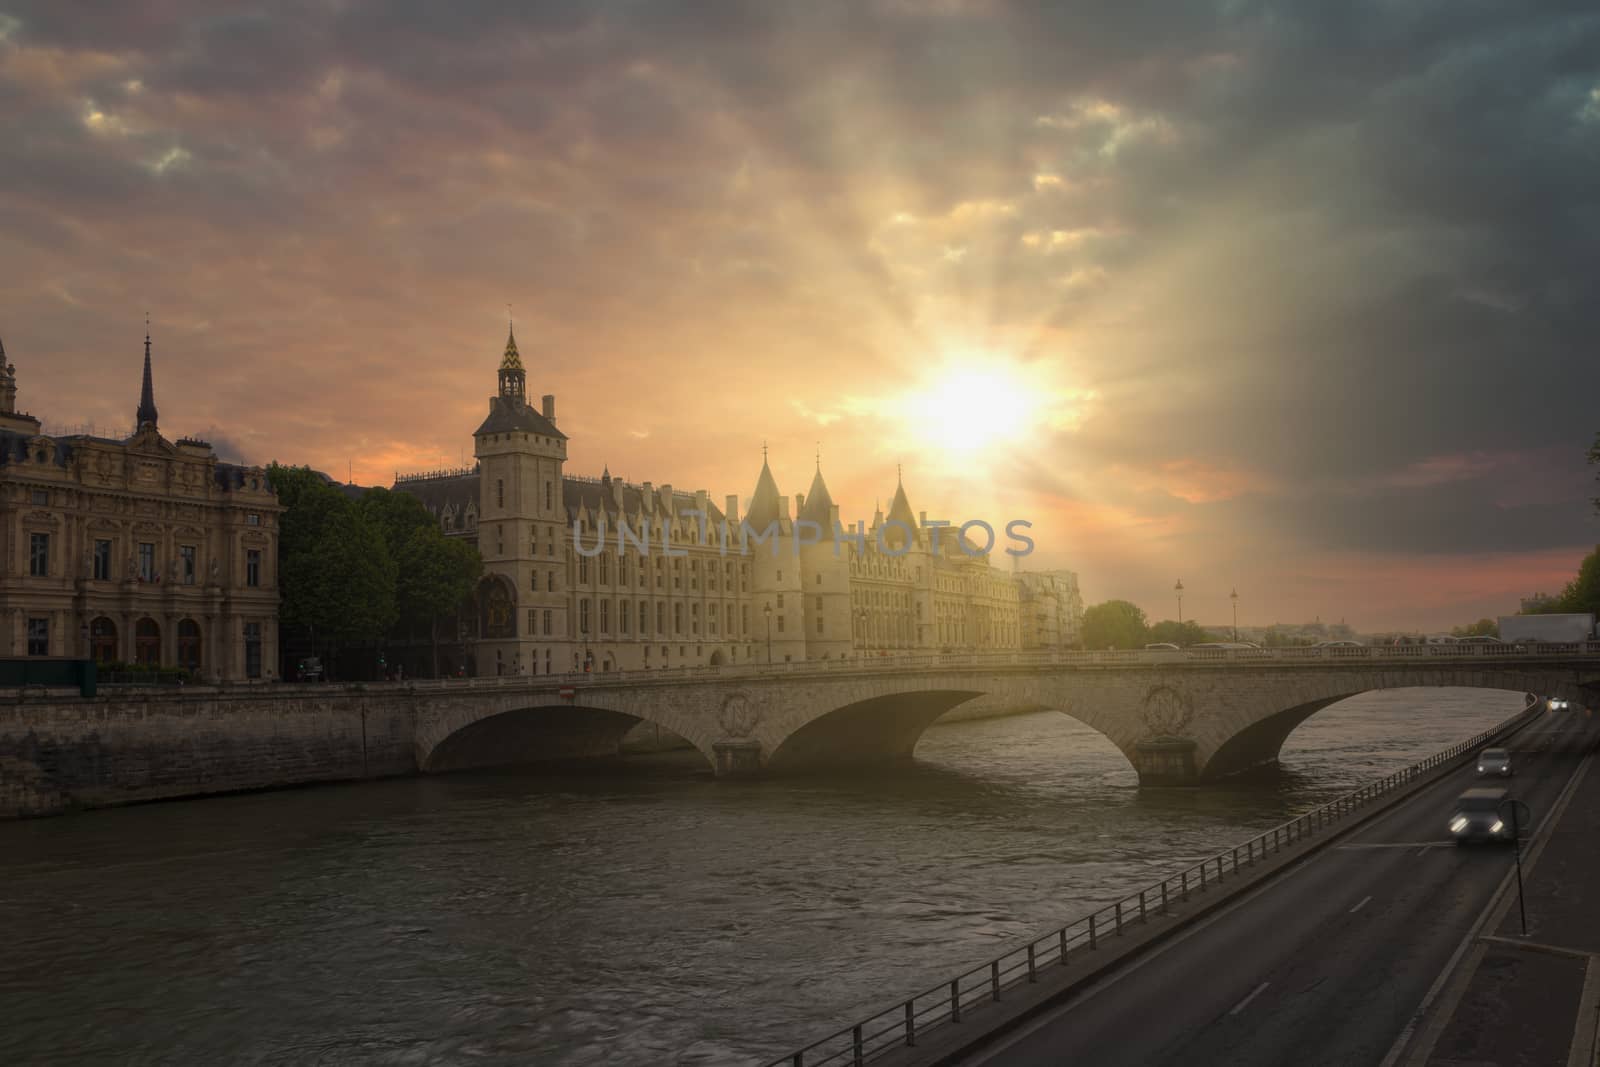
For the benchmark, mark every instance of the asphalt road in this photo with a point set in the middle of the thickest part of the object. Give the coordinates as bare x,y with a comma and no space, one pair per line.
1326,963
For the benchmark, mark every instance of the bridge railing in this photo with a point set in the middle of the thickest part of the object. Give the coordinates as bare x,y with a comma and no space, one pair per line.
901,1024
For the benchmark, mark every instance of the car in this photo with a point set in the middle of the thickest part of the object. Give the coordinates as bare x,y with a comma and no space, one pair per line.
1495,761
1557,704
1477,817
1161,646
1339,644
1481,639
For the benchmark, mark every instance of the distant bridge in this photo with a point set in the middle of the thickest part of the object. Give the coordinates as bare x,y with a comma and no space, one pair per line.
1179,717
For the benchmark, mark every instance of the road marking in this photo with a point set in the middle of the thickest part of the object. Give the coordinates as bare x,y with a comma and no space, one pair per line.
1538,946
1237,1008
1361,905
1587,1031
1498,904
1418,845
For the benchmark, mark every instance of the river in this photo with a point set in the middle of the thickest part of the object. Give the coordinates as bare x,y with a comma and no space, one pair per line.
637,913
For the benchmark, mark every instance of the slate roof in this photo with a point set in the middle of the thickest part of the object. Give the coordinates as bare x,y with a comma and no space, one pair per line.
819,507
597,496
764,503
508,415
437,494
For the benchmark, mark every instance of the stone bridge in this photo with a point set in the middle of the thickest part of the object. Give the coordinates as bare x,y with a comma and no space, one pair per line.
1179,718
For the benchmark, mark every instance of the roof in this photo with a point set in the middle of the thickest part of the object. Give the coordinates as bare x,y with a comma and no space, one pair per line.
597,496
454,492
14,449
819,506
511,415
512,360
764,503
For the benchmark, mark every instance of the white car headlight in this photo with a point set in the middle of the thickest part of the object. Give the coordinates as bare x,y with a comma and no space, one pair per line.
1480,768
1497,827
1458,824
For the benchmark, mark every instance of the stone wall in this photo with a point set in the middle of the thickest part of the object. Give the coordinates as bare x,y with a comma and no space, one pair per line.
59,751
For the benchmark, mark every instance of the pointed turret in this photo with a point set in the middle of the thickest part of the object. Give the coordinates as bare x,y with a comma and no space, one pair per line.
900,509
819,506
145,417
8,384
513,379
764,503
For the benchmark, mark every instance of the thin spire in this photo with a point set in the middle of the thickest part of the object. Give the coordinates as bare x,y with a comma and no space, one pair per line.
763,452
819,457
899,474
146,415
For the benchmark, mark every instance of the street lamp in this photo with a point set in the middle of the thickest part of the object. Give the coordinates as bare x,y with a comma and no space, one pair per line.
1179,590
863,615
1234,596
768,612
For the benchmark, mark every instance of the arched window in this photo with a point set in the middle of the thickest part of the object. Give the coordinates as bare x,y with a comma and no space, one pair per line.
147,642
103,640
189,645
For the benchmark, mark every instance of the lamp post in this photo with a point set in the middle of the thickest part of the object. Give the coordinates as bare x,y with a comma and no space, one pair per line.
1179,590
863,616
768,612
1234,596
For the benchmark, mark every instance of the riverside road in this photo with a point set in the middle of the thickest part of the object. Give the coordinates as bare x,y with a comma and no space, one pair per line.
1324,965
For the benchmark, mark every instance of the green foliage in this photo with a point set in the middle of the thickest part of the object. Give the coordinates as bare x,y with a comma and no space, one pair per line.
1583,592
435,573
1114,624
1481,628
338,577
1183,634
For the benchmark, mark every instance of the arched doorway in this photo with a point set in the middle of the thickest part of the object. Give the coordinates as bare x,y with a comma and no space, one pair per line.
147,642
716,658
103,640
189,645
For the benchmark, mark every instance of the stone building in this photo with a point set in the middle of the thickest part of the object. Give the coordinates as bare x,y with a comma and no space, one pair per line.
134,549
1051,609
603,574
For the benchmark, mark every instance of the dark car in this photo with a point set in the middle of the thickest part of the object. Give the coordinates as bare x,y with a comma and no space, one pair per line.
1477,817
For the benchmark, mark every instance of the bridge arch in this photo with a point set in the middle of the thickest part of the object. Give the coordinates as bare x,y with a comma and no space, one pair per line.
541,731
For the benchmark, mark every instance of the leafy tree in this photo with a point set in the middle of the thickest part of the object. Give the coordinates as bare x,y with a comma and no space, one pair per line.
337,575
1481,628
1582,594
1183,634
1114,624
434,573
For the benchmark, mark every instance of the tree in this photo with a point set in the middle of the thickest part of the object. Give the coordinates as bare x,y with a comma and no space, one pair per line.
435,573
1183,634
1481,628
1582,594
337,576
1114,624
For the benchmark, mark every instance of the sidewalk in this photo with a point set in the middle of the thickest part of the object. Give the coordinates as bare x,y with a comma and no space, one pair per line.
1535,1000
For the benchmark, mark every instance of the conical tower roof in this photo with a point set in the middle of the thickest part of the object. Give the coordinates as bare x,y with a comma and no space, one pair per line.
900,509
146,415
512,359
764,502
819,506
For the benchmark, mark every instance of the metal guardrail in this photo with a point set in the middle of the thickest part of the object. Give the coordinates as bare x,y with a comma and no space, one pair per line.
899,1025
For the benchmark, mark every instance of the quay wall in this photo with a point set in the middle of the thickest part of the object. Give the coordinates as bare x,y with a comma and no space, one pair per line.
59,751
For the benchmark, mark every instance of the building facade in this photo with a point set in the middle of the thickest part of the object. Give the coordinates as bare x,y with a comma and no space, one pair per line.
134,550
600,574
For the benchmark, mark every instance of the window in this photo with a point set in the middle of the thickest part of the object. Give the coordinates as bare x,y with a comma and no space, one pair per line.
622,615
780,601
252,519
583,569
38,637
644,619
819,624
552,585
780,624
186,567
819,603
147,642
549,497
605,570
41,498
252,650
147,562
694,614
780,576
533,621
39,555
102,561
677,618
661,621
103,640
819,579
500,493
583,616
189,645
547,615
605,616
252,567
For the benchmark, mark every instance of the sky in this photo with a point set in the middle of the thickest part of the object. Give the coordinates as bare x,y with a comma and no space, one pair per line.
1293,299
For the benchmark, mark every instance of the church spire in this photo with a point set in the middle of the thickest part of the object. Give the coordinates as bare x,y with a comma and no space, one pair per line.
513,379
146,415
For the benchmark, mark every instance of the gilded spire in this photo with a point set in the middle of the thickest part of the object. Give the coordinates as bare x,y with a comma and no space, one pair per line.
146,415
512,359
513,380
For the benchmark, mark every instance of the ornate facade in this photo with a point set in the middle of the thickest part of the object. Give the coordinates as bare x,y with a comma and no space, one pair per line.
134,550
686,588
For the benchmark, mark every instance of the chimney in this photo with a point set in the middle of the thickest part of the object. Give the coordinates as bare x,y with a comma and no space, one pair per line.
731,508
783,508
799,503
922,519
648,504
616,491
833,520
550,407
666,500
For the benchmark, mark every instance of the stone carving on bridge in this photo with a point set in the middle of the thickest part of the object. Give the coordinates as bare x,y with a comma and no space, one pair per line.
1167,713
738,716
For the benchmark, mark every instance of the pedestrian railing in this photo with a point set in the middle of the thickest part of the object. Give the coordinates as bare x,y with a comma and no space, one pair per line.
901,1024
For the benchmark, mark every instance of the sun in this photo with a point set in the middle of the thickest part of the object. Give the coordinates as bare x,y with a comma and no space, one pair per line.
976,407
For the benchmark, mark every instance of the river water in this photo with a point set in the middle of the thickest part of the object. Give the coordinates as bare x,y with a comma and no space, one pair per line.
642,913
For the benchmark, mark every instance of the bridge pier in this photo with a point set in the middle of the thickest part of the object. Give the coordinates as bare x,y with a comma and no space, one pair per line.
737,759
1169,761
